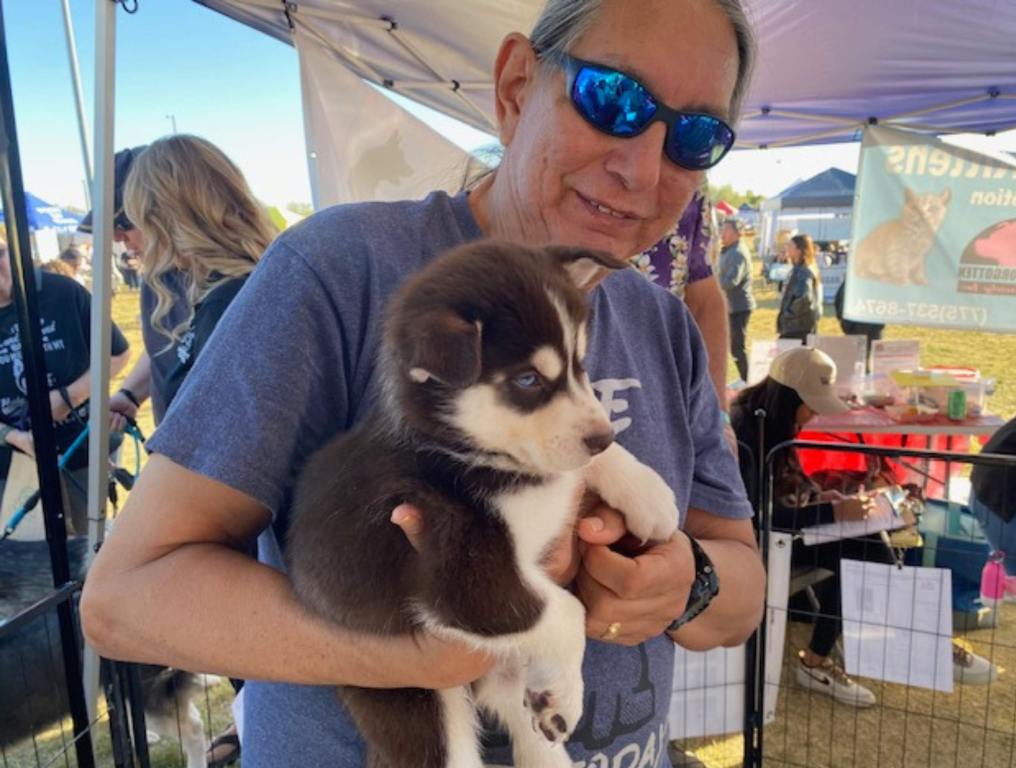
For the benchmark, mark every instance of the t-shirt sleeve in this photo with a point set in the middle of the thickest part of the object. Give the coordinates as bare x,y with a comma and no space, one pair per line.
696,227
717,486
271,385
206,318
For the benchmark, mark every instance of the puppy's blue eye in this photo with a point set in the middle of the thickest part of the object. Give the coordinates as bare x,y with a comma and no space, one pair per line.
527,380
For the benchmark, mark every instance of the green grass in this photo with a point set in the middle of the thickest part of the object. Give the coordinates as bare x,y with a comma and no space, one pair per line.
993,353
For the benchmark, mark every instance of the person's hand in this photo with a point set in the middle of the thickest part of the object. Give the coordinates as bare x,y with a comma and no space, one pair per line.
22,440
831,496
631,599
57,407
120,409
853,508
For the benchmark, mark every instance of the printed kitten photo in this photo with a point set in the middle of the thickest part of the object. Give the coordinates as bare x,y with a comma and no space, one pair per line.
896,250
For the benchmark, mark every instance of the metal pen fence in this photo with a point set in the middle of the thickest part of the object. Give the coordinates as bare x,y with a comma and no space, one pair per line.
929,664
37,694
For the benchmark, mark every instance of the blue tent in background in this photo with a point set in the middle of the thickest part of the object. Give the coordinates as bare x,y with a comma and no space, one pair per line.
43,215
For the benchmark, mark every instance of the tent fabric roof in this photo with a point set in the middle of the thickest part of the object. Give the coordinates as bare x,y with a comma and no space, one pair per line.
43,215
825,67
831,188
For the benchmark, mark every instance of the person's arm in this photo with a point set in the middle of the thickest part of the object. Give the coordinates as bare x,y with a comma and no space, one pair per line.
139,383
708,306
169,586
79,390
731,270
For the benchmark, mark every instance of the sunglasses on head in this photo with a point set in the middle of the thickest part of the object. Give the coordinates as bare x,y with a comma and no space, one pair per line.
619,105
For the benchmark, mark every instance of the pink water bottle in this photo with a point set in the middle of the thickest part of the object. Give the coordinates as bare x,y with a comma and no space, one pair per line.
993,586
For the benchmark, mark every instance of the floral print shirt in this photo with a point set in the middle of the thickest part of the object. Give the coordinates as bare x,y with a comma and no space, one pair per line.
681,257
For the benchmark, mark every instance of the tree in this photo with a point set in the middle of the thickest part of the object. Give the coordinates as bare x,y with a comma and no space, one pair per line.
303,209
735,198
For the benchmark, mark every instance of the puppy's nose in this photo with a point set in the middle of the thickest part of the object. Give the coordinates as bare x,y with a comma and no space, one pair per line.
598,442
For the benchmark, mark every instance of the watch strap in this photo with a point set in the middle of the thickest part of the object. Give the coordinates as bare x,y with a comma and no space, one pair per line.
704,587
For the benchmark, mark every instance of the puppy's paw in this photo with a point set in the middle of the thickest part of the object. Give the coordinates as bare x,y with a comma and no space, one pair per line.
555,715
651,512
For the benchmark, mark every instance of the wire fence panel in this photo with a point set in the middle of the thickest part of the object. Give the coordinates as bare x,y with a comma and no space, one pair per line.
175,711
893,658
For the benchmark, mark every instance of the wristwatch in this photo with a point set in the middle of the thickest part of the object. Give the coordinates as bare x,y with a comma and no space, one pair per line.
704,587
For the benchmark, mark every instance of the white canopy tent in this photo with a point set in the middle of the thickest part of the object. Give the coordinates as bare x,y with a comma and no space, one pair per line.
819,79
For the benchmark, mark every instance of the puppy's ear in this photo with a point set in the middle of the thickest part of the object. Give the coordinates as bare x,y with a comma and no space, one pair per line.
584,266
446,347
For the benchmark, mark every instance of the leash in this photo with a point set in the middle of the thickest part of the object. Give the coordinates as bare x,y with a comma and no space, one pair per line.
119,474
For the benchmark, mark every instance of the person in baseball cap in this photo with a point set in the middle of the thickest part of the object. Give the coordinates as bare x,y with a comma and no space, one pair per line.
122,162
811,373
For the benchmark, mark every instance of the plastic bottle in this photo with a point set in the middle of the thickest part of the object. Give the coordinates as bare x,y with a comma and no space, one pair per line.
993,587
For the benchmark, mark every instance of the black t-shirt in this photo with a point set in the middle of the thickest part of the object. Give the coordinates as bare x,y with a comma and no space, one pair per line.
65,315
995,487
177,361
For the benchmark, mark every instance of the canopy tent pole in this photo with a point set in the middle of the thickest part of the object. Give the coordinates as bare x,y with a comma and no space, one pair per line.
101,326
26,307
79,102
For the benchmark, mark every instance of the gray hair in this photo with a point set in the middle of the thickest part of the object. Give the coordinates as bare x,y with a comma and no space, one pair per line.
563,22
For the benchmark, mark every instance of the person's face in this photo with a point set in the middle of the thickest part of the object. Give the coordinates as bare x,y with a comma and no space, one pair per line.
131,238
567,182
793,253
803,416
728,235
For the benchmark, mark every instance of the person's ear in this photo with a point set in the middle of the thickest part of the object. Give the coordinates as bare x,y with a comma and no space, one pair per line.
515,70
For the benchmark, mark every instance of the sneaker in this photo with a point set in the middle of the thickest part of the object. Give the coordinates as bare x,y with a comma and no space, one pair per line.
971,669
830,679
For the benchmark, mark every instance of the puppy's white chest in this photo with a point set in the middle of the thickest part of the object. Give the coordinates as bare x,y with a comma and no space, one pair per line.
537,515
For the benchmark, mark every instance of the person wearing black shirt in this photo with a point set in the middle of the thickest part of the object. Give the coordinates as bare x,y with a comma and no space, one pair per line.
65,316
189,217
993,496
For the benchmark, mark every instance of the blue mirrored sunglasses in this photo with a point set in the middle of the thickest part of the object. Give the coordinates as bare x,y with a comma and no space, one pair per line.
619,105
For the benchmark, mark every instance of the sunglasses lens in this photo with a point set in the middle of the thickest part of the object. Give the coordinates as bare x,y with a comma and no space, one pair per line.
612,101
698,142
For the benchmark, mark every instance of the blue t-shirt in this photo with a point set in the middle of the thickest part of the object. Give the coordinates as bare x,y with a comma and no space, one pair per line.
293,362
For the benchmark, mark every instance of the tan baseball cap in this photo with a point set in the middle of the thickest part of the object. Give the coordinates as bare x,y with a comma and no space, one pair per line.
811,374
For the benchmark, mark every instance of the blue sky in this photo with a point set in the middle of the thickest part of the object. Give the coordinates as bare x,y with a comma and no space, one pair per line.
236,87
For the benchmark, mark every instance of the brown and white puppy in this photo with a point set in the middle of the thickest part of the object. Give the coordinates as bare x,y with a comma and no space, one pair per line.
489,425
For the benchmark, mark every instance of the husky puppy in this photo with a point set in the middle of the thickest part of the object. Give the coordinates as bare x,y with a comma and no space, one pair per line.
488,424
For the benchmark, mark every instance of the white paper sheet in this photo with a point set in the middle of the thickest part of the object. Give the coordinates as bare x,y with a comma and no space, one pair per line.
888,355
708,693
897,623
883,520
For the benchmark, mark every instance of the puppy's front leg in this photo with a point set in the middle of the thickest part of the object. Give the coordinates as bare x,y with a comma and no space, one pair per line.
636,490
538,696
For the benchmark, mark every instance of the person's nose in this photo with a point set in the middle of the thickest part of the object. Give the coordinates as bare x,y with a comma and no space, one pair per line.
638,161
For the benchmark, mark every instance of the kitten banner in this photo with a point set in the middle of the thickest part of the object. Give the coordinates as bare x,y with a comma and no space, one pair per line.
934,235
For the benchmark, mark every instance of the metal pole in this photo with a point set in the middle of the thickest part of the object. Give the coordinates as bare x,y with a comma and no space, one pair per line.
79,101
172,122
102,246
26,303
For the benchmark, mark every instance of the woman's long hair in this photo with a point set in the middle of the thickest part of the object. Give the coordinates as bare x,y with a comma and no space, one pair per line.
196,215
780,404
807,248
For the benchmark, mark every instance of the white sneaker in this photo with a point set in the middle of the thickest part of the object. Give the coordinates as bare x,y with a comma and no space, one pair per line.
830,679
971,669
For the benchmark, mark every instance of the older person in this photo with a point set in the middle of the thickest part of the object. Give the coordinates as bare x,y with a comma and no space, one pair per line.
580,167
735,278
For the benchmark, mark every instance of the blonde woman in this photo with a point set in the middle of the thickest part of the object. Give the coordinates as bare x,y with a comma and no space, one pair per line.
801,304
190,218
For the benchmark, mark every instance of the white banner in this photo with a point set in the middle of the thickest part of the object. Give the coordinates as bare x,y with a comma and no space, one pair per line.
934,240
360,144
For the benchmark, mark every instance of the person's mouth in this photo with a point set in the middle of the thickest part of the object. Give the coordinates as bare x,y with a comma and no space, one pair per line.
608,210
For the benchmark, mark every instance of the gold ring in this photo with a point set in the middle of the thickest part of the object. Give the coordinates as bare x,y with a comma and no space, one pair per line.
612,631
